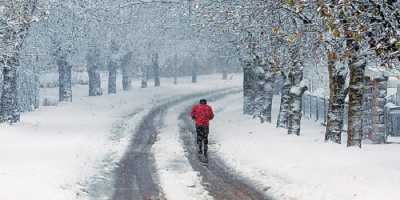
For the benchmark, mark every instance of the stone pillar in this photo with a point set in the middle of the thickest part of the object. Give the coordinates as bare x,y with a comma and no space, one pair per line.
378,109
366,120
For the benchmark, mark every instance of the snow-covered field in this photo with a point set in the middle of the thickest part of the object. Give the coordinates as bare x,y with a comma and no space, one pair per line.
55,152
305,167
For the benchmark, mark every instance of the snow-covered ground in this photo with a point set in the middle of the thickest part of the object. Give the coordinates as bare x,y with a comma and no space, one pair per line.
59,152
55,152
305,167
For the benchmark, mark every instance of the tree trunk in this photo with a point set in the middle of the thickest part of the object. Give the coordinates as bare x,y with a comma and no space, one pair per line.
283,116
337,95
224,74
194,74
176,69
264,95
12,38
94,82
126,80
9,102
112,78
144,77
156,70
64,81
175,77
248,90
296,90
36,100
295,108
92,63
126,75
354,130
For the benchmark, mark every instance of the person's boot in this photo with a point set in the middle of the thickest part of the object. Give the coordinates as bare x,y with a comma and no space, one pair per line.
205,156
206,153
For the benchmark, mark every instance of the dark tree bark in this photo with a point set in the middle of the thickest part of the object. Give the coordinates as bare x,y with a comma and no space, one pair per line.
282,121
9,102
248,89
156,70
295,102
112,77
94,82
36,100
295,114
113,67
145,74
291,98
126,75
93,73
175,75
264,97
337,96
175,69
13,34
194,73
224,74
64,80
263,92
126,81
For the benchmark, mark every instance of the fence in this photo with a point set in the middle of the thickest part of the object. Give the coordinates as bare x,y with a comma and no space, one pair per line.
316,108
392,120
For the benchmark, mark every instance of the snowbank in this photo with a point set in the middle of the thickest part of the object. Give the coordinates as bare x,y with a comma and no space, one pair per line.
305,167
58,152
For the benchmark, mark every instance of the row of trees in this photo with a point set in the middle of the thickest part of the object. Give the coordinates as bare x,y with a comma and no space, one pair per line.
134,37
276,40
16,19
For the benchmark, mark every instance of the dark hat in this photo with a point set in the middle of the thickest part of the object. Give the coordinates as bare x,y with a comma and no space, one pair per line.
203,101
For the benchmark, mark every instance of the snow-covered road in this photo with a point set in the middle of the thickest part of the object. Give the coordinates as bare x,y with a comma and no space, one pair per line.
135,175
171,170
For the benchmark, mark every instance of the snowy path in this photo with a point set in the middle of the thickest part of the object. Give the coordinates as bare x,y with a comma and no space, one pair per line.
181,174
136,176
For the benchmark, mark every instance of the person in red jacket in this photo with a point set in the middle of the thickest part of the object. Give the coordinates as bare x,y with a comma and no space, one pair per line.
202,114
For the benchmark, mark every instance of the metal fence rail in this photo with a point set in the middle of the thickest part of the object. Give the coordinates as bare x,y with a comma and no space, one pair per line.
316,108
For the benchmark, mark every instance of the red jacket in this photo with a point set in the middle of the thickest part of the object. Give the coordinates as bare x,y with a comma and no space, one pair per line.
202,114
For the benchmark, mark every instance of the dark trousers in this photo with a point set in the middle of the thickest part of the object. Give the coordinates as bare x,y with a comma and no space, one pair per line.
202,137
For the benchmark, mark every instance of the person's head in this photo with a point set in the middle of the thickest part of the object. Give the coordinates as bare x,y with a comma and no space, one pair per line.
203,101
